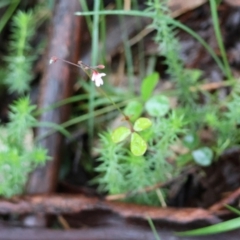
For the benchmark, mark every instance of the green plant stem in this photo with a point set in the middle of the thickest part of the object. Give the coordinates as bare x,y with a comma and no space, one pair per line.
127,49
153,228
141,52
126,118
55,126
84,6
61,103
113,103
172,21
8,14
23,39
232,209
68,101
228,225
95,50
84,118
218,34
103,31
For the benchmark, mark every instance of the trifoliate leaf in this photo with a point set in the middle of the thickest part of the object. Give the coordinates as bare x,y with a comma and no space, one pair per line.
142,124
120,133
203,156
138,145
157,106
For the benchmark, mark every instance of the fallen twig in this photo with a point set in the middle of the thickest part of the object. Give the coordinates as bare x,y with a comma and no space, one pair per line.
72,204
227,200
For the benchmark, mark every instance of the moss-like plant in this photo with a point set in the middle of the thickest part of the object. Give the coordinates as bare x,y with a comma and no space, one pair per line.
18,155
19,60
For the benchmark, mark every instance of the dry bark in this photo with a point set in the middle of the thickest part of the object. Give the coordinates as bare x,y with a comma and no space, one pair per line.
72,204
57,84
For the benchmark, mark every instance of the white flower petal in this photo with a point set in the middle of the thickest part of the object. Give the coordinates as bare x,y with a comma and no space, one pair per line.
97,77
94,75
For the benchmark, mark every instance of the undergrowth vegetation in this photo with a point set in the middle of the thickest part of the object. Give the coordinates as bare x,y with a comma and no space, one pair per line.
144,149
177,127
19,154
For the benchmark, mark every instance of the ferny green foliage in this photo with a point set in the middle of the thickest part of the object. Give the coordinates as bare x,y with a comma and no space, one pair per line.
18,155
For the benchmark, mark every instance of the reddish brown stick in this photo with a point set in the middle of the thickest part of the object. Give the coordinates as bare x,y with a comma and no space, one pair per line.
227,200
57,84
69,204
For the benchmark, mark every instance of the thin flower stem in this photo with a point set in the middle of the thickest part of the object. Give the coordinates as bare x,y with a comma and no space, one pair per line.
74,64
84,67
109,98
80,64
120,111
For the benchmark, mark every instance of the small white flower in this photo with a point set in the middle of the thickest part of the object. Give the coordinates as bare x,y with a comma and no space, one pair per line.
97,77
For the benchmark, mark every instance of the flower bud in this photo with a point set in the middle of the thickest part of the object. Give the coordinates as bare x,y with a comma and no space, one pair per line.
100,66
53,59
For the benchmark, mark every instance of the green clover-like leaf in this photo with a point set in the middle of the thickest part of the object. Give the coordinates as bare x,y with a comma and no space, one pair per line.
134,110
157,106
120,133
138,145
203,156
142,124
148,85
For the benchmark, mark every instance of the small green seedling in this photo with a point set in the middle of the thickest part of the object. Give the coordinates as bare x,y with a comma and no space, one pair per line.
138,145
